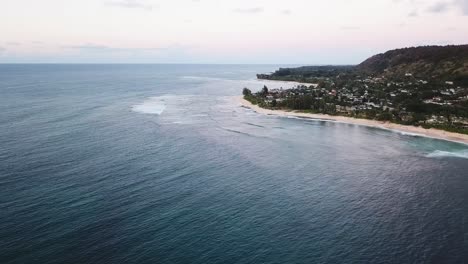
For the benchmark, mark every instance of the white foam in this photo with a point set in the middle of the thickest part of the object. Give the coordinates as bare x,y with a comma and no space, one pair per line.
408,133
155,106
443,154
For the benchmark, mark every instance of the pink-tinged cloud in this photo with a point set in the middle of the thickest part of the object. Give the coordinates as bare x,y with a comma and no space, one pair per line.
243,31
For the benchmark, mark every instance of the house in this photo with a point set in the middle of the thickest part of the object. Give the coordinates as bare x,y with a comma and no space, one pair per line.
446,92
372,105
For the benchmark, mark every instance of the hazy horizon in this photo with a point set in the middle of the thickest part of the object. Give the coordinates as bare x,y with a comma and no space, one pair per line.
335,32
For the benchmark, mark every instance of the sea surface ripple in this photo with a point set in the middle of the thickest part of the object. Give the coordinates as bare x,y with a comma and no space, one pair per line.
158,164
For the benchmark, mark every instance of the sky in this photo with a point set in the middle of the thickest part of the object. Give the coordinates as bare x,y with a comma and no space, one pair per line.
221,31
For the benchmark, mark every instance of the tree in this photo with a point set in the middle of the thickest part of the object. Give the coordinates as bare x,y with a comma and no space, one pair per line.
273,103
385,116
418,117
265,90
246,92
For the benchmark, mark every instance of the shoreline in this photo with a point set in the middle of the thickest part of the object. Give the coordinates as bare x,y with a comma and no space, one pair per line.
417,131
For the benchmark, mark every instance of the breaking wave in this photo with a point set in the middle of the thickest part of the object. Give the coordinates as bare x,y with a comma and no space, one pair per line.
409,133
444,154
154,105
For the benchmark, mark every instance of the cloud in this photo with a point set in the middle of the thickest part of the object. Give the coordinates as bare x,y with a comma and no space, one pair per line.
90,48
105,49
286,12
12,43
444,6
413,13
91,52
2,50
463,4
252,10
135,4
439,7
349,28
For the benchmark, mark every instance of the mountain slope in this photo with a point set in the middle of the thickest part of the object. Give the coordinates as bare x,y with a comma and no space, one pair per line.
441,62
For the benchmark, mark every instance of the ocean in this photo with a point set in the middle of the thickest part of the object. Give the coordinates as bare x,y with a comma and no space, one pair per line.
160,164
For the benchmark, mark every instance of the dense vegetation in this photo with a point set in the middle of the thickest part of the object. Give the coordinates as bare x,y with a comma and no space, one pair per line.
424,86
307,74
444,63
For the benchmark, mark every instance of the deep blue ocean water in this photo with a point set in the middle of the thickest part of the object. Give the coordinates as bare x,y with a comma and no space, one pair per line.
159,164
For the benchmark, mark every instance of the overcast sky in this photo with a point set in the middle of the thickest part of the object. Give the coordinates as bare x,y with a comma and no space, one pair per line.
221,31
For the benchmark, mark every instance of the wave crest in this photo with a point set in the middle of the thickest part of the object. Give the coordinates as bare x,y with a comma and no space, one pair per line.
155,105
444,154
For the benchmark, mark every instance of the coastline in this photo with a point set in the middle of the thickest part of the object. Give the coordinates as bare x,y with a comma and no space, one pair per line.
418,131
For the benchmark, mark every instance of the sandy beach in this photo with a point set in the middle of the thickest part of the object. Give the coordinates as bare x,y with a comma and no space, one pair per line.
432,133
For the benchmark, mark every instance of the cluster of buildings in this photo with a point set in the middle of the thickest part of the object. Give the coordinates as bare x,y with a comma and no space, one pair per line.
380,94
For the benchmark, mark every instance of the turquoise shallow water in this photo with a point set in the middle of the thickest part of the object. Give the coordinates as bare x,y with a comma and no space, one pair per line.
158,164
